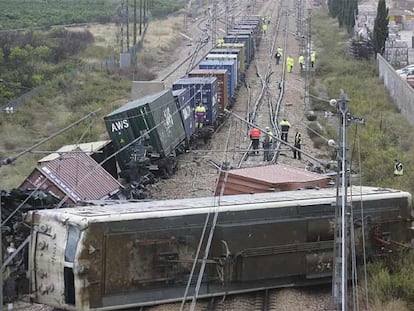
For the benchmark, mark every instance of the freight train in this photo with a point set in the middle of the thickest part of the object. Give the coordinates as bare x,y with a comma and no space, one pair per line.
115,255
150,132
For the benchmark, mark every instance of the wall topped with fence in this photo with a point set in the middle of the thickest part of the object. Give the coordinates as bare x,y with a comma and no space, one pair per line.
401,92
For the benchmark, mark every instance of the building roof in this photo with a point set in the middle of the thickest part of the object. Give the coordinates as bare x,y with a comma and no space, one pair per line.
88,148
277,177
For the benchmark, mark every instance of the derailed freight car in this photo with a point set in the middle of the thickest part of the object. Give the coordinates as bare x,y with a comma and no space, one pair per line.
107,257
150,129
202,90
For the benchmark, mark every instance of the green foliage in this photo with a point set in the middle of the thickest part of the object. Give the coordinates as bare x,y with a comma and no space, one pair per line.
392,280
384,135
160,8
380,34
334,7
26,57
345,11
41,13
64,100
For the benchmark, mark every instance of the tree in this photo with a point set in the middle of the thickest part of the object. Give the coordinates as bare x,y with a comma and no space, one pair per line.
380,33
347,11
334,7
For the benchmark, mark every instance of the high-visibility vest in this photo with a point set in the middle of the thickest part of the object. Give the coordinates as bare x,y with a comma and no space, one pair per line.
399,169
301,59
285,125
280,51
270,135
313,56
298,138
200,112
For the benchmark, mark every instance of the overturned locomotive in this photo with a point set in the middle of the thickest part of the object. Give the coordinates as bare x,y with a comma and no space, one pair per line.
111,256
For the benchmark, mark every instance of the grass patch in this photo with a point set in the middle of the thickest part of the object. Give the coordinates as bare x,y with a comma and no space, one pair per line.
383,137
391,283
62,102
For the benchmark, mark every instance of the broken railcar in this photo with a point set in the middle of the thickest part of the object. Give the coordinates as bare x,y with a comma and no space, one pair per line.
107,257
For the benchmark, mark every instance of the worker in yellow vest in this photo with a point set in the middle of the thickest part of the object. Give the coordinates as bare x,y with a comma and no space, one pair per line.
200,115
398,168
313,58
264,28
289,63
301,62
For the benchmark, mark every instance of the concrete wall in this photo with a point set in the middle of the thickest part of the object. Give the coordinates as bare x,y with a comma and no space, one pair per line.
400,90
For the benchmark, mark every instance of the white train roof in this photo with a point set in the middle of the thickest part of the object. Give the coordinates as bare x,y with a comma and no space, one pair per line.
107,211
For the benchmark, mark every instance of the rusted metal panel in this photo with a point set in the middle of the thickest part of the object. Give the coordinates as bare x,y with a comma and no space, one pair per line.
37,179
277,177
98,150
75,175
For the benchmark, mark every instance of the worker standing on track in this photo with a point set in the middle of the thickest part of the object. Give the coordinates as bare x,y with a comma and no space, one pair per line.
289,63
280,51
398,168
298,143
220,42
264,28
301,62
255,137
267,145
284,127
278,56
313,58
200,115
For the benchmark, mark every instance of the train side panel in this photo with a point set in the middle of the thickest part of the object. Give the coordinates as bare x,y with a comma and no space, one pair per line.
245,39
230,57
228,65
146,258
152,120
241,47
237,52
183,102
203,90
222,83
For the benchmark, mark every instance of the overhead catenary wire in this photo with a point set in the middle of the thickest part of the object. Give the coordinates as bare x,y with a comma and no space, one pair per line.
212,228
12,159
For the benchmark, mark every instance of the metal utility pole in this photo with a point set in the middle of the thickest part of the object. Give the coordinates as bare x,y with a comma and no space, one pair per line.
127,24
340,273
213,24
145,11
121,16
299,22
140,17
135,22
227,18
307,52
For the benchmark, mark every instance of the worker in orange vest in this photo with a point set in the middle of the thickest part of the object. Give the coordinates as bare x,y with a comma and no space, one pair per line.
255,137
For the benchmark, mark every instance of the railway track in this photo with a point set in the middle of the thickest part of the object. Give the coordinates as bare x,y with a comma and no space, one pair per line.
268,94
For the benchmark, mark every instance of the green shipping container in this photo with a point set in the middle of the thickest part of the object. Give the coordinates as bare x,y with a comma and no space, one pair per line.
154,118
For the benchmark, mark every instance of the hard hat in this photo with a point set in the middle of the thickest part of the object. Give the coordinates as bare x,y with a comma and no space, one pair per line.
267,128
